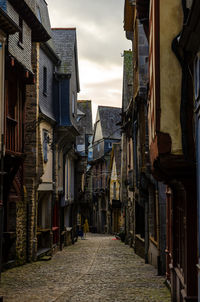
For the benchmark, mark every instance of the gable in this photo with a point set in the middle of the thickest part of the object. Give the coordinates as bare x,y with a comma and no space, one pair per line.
98,134
113,170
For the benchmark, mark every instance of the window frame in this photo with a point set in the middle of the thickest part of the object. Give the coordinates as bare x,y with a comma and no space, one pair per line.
45,145
21,33
45,78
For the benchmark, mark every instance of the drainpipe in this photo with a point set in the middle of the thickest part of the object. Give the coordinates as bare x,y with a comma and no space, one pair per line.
2,147
53,148
1,200
197,111
158,229
146,240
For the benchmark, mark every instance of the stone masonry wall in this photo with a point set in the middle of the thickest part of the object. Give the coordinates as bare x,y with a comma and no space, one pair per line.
33,167
21,216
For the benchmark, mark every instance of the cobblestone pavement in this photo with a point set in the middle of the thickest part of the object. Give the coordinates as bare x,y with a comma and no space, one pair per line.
97,269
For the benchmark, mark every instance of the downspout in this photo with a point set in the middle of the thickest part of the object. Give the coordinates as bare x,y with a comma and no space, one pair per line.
146,239
158,229
53,148
1,199
2,100
198,192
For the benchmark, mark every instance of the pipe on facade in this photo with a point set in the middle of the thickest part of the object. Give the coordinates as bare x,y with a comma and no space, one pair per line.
1,200
146,241
158,230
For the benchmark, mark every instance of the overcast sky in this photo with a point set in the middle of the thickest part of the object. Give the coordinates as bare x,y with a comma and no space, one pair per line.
101,41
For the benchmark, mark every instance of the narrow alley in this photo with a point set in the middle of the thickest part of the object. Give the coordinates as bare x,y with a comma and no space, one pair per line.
96,269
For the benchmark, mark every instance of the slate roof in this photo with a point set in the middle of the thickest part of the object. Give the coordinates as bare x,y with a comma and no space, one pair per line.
109,117
85,106
66,48
43,16
31,4
46,103
7,24
27,10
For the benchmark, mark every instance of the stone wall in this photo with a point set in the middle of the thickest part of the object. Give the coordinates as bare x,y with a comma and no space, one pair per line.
21,231
33,167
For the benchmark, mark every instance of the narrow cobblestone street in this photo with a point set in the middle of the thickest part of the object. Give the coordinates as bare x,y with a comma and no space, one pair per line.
96,269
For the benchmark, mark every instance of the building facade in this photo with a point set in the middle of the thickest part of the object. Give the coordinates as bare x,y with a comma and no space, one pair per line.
106,132
66,88
19,74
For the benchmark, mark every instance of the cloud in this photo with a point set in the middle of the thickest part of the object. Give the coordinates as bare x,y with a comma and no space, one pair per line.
101,40
99,26
95,73
108,93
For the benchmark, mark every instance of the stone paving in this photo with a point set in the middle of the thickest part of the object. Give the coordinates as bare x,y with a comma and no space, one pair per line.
97,269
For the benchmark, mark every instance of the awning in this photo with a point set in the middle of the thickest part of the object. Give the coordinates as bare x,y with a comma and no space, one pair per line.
7,24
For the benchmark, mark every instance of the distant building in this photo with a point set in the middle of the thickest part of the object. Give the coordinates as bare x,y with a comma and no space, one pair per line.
84,150
115,213
66,88
106,132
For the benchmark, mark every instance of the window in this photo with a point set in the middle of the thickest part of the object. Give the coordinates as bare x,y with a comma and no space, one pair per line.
114,190
197,78
129,154
73,103
69,179
109,145
44,80
39,14
45,145
21,32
